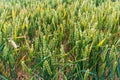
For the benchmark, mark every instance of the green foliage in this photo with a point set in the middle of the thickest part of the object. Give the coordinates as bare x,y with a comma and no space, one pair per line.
60,39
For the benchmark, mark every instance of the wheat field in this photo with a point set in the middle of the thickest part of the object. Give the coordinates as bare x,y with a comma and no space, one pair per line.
59,39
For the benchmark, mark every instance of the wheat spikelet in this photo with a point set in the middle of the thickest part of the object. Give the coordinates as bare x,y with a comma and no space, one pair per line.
47,67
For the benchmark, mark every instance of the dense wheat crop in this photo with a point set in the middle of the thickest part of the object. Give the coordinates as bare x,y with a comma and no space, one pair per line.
59,39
